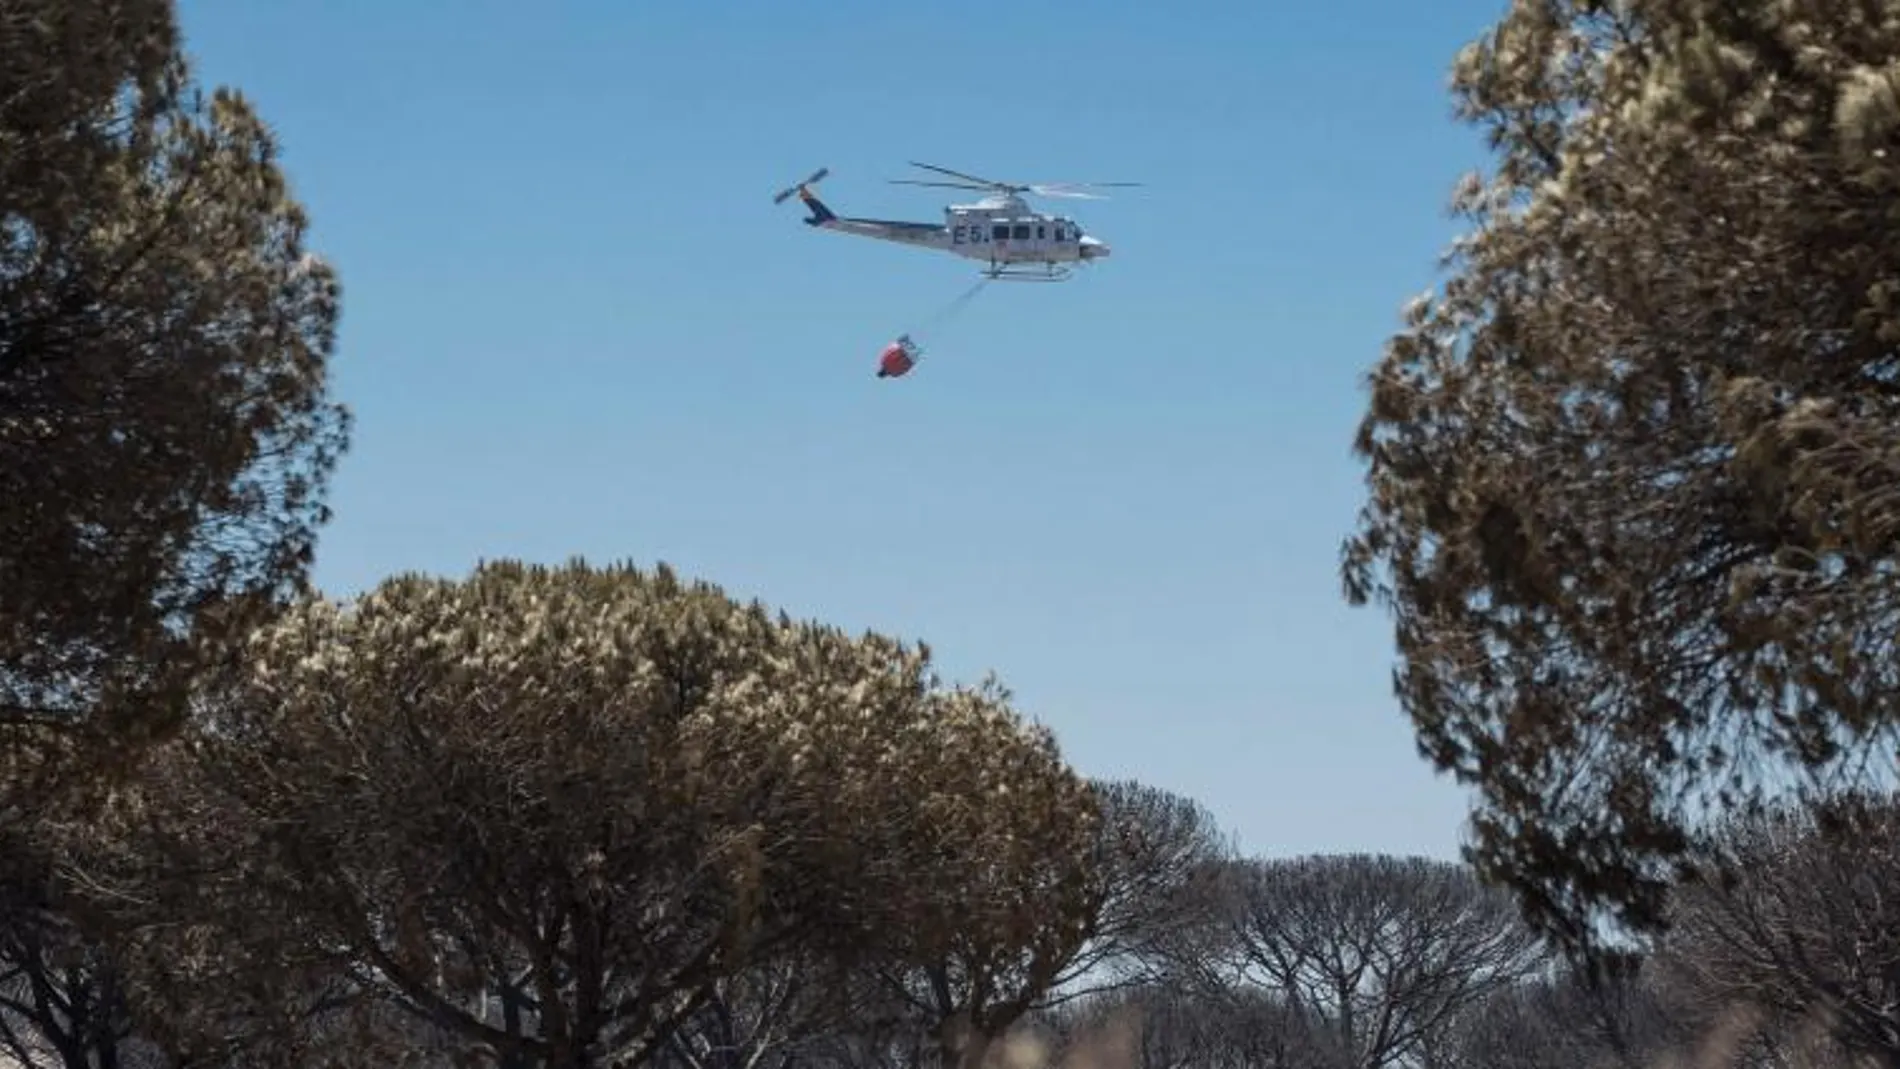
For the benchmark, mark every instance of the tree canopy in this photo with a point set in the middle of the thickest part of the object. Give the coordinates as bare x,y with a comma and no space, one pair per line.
166,436
600,795
1631,473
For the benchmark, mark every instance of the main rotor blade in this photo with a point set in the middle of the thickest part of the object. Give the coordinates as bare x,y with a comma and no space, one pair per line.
942,185
959,174
1090,185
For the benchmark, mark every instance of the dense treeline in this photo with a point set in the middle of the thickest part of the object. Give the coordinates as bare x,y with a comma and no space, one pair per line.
421,908
1632,506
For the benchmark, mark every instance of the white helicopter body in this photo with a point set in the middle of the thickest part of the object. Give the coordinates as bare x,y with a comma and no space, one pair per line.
1013,240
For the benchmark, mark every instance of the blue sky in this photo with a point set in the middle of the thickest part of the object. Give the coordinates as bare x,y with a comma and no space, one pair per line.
574,323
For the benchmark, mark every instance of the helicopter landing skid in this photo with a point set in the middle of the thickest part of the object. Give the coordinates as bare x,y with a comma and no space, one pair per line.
1045,273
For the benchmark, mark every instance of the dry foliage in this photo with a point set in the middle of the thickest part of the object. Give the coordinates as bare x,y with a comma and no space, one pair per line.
1633,495
1374,958
1151,895
165,436
1800,927
1160,859
556,812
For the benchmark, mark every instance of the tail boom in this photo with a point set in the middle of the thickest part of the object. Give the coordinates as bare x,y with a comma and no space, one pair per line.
928,235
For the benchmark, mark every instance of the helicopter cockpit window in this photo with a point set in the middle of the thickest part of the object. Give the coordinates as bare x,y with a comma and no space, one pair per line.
1022,231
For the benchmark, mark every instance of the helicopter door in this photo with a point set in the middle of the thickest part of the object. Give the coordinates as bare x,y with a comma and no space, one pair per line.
1022,240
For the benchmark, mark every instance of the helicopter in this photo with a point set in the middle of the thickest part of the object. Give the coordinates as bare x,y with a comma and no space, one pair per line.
1013,240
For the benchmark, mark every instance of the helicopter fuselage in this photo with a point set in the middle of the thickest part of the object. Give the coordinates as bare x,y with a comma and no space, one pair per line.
1003,232
1006,230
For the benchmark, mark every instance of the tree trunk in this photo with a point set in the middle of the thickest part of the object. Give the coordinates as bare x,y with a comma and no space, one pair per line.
511,1005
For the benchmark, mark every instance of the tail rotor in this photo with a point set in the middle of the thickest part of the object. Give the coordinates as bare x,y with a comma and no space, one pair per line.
789,191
